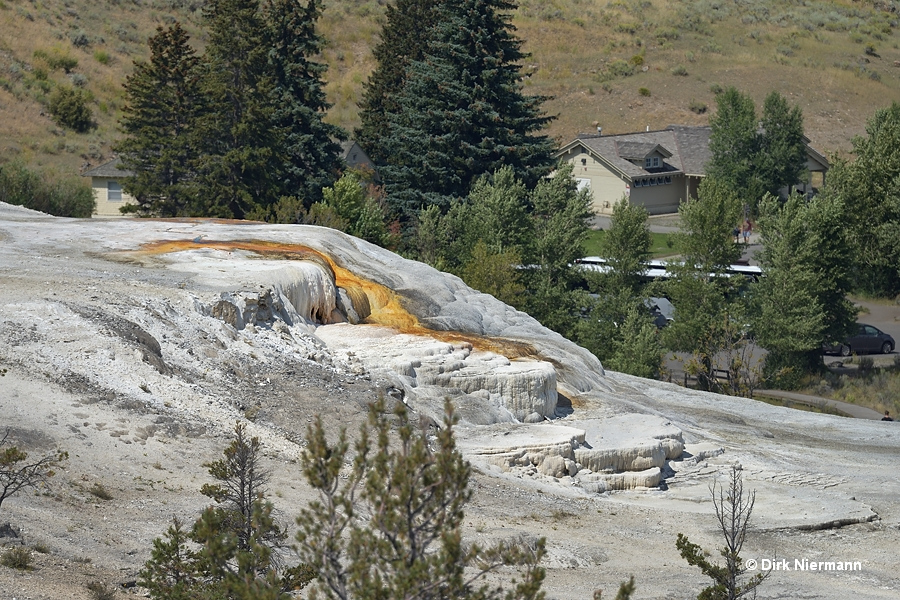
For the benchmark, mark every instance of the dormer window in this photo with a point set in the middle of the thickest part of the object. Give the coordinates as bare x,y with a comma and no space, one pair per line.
651,162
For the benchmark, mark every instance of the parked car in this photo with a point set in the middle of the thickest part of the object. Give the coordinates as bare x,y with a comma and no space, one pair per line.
662,311
867,339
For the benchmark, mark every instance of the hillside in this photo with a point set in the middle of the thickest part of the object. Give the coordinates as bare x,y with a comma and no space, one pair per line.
622,65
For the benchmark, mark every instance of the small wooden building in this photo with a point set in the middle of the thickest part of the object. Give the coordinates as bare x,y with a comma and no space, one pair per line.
106,183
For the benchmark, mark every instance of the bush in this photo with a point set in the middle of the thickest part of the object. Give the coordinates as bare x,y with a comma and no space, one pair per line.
619,68
16,558
102,57
100,591
99,491
680,70
79,39
697,107
70,109
57,59
54,196
78,80
644,91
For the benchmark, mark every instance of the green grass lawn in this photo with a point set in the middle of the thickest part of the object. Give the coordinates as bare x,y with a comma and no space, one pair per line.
659,244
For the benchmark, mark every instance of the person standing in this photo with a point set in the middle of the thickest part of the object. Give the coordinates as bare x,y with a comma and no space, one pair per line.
748,227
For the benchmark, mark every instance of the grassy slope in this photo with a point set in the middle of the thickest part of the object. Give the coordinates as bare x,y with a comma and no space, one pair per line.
812,52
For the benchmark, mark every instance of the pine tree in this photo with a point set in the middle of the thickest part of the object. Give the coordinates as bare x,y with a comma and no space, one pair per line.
387,523
306,144
462,112
235,151
163,101
230,553
404,38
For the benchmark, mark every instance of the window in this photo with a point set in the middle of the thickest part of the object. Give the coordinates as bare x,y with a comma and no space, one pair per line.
668,179
583,183
648,162
113,191
655,161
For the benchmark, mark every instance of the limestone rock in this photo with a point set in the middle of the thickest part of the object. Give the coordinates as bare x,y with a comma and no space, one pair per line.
523,387
618,453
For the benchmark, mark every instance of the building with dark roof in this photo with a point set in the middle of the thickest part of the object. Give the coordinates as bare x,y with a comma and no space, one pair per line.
106,180
106,183
655,169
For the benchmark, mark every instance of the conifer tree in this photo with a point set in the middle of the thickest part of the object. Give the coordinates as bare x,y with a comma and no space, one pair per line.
231,552
307,149
233,165
461,112
404,38
389,526
163,101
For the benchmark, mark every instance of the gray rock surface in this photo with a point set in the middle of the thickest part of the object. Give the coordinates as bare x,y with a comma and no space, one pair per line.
138,364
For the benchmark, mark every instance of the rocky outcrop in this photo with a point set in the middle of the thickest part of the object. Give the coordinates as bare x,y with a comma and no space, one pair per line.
618,453
523,389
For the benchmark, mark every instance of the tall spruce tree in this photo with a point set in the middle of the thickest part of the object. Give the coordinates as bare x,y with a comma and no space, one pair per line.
404,38
163,101
233,167
309,155
462,112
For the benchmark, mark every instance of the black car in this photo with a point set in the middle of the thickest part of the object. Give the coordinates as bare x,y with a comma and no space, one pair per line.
867,339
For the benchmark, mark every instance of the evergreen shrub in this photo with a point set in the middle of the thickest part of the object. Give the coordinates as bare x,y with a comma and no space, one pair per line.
70,109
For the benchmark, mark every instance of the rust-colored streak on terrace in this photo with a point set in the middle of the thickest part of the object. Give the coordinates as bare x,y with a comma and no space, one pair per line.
385,306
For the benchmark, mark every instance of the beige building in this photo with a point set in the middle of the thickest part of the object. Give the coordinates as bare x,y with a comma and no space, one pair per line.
106,180
655,169
106,183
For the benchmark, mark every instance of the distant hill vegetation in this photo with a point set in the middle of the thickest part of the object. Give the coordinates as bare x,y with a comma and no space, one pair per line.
622,65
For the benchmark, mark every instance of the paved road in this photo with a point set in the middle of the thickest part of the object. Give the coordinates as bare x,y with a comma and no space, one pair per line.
851,410
669,224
